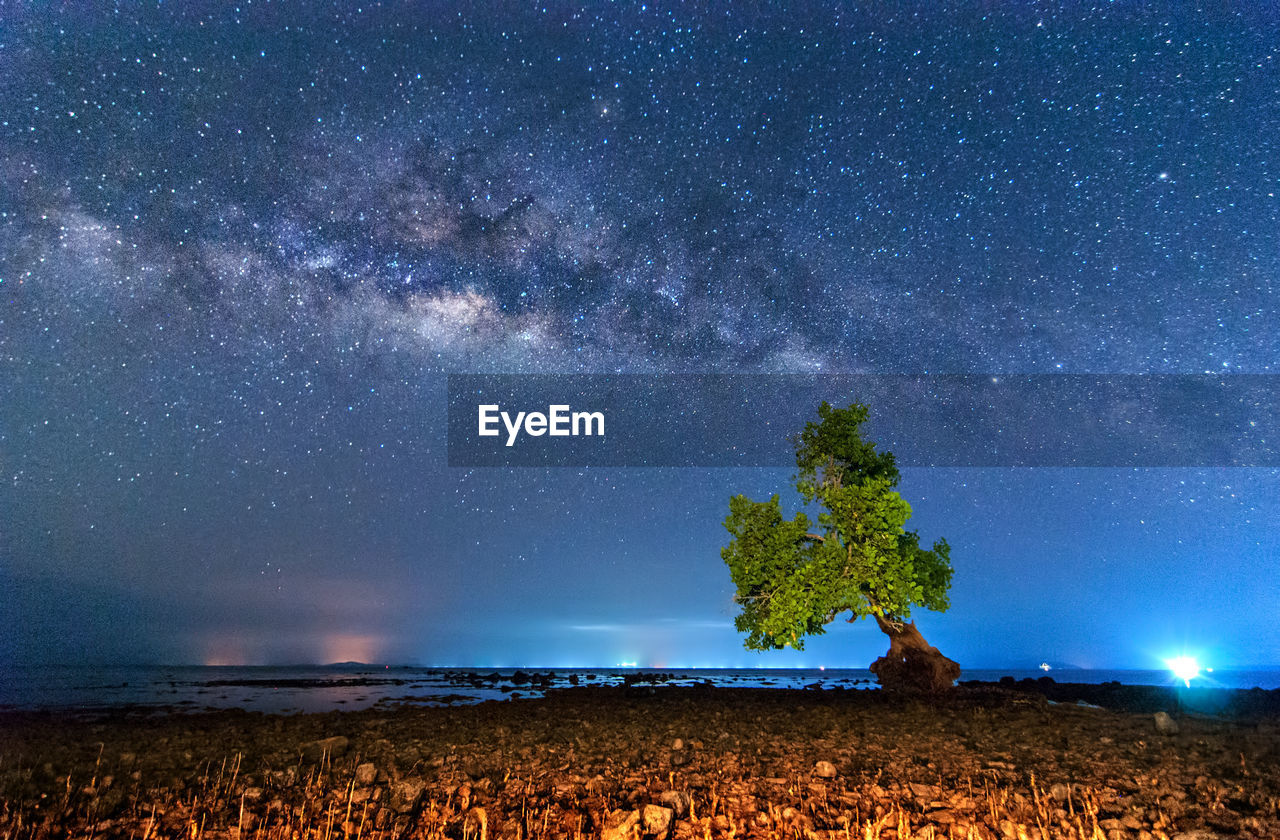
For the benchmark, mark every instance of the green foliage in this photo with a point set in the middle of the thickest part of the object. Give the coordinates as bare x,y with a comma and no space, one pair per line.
794,576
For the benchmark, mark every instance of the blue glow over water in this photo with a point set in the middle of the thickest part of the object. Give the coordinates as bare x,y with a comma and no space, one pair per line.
351,687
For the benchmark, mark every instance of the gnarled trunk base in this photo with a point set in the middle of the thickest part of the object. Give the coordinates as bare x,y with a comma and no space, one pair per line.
912,664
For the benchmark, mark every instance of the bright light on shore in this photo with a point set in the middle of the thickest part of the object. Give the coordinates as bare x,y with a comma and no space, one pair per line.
1184,668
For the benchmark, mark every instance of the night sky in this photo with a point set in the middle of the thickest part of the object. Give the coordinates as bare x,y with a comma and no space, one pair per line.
241,247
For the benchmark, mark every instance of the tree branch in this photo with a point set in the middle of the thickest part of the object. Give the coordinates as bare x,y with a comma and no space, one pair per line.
890,627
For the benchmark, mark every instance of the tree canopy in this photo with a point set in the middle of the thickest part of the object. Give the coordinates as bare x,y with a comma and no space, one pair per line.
794,576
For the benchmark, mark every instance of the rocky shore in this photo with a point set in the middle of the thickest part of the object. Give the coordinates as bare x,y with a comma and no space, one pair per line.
988,761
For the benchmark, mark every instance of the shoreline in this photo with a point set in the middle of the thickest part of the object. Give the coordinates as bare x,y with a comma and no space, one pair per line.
984,761
519,684
1209,700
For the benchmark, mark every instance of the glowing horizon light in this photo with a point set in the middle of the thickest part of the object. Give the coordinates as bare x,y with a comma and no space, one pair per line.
1184,668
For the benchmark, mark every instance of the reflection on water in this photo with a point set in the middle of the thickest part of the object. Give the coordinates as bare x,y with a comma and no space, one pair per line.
319,689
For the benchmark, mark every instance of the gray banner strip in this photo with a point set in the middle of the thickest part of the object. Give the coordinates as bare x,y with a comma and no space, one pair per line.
720,420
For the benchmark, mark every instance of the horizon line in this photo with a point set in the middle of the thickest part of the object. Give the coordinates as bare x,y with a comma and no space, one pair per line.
613,667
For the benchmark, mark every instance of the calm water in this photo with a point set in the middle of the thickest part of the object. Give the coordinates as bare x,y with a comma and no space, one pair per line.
314,689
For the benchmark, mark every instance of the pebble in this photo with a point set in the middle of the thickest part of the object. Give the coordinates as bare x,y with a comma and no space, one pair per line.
677,800
406,794
924,793
621,825
657,821
824,770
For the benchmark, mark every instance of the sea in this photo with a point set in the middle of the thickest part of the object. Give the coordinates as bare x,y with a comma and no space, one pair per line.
294,689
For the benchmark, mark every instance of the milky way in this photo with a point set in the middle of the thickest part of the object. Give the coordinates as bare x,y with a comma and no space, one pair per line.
240,248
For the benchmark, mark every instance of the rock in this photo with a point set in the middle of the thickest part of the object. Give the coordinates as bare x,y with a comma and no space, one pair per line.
480,817
1225,822
678,801
677,744
1197,834
925,793
657,821
366,774
621,825
1166,725
316,750
1060,792
824,770
406,794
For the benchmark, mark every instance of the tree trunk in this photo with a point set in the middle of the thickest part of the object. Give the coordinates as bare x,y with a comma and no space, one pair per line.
912,664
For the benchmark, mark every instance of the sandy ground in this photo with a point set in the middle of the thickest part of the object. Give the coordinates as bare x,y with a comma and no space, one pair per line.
985,762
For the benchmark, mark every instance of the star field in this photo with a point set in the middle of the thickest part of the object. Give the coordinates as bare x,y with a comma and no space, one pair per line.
240,248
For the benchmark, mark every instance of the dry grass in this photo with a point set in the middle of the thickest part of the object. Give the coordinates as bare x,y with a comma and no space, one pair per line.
324,802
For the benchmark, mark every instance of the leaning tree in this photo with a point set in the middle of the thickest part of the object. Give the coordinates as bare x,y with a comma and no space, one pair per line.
794,576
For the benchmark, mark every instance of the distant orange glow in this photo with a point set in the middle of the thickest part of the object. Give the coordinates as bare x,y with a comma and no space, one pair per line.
236,648
225,651
341,647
